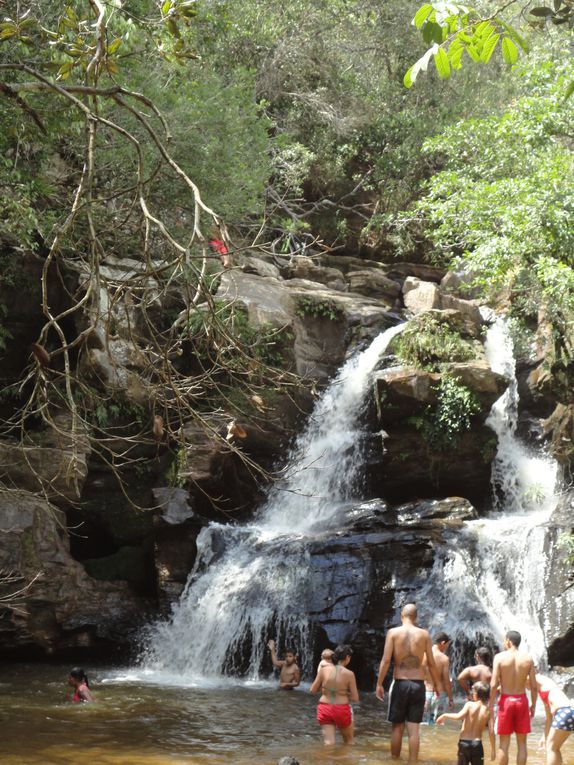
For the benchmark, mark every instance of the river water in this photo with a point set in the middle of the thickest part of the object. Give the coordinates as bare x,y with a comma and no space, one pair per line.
136,723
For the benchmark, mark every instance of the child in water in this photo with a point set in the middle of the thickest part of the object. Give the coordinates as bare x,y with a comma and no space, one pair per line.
79,682
475,716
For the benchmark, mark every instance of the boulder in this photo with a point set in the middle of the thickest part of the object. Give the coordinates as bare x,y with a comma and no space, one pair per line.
302,267
420,296
373,284
251,264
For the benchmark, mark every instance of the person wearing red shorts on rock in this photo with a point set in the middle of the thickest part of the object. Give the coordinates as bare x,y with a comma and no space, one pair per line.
511,672
338,687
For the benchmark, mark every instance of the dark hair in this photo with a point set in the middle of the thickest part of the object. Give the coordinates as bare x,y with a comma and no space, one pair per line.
484,654
514,637
441,637
341,652
78,674
290,650
482,691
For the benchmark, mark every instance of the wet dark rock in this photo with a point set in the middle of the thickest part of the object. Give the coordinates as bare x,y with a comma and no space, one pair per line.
558,615
359,575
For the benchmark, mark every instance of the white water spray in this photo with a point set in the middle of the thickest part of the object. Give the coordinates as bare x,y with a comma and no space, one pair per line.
491,577
256,587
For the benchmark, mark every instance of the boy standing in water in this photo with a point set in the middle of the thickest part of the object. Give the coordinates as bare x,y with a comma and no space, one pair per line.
475,716
290,676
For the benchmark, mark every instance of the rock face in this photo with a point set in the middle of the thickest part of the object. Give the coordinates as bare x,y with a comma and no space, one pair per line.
94,587
379,558
411,464
558,618
59,607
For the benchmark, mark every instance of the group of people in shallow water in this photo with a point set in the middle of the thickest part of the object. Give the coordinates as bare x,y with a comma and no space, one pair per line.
497,700
421,689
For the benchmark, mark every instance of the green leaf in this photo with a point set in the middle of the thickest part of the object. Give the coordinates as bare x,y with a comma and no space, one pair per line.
421,15
483,30
569,91
165,8
509,51
472,52
442,64
513,34
488,48
114,45
455,57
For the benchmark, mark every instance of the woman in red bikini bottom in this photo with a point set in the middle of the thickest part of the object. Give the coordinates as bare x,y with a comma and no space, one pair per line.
559,718
338,687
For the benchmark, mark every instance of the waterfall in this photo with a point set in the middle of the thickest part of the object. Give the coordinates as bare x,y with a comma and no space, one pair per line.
490,578
250,582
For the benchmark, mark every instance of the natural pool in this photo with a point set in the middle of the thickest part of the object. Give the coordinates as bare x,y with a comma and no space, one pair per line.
136,722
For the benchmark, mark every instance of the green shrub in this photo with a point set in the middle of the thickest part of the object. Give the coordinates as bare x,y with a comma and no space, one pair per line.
429,341
442,424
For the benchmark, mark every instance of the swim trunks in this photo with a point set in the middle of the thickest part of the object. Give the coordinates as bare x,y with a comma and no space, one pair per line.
340,715
470,752
564,719
434,706
513,714
407,701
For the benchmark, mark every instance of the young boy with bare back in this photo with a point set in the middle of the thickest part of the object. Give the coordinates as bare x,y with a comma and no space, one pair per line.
475,716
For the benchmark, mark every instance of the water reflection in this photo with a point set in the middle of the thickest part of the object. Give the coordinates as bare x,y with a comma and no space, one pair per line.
135,723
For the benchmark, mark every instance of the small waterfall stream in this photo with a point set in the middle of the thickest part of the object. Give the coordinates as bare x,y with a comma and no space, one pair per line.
249,582
491,577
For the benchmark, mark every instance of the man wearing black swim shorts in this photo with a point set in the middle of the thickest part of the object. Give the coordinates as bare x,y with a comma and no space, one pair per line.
406,646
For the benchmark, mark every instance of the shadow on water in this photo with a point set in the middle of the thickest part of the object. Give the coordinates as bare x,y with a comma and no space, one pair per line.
137,723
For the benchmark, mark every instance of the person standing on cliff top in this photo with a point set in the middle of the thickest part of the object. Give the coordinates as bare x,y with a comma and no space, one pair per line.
407,646
290,676
510,673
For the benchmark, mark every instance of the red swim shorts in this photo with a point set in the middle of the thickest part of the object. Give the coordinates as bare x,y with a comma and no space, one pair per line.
513,714
335,714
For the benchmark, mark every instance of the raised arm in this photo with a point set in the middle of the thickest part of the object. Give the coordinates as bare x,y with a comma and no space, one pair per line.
432,667
464,681
385,664
276,662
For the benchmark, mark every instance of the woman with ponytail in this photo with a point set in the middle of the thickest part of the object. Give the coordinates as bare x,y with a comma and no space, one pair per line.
338,687
79,682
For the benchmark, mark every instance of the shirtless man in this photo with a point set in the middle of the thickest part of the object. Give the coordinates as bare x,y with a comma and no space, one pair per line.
290,676
407,645
511,671
434,704
478,673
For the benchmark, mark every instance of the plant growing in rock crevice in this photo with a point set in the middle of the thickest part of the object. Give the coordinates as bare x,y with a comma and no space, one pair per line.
441,425
319,309
429,341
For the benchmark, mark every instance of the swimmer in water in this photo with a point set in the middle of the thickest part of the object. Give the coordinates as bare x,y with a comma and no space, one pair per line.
79,682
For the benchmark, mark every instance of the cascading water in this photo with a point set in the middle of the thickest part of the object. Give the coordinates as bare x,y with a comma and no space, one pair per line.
249,582
490,578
